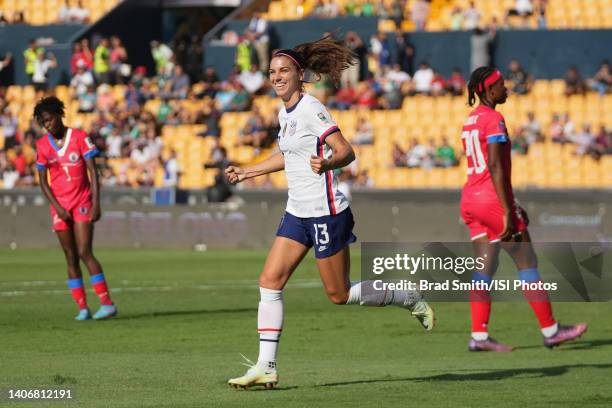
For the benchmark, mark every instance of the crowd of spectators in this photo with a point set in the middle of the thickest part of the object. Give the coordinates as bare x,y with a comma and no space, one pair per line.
385,73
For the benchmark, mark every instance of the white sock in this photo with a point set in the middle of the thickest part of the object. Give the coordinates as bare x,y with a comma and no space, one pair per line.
480,336
550,330
364,294
269,326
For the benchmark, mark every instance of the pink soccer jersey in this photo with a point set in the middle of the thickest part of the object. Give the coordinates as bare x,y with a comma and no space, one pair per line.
484,126
67,169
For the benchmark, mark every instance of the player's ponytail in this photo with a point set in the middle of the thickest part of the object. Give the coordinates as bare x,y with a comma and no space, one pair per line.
476,84
325,56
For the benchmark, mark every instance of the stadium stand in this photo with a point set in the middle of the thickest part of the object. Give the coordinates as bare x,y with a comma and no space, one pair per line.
41,12
440,15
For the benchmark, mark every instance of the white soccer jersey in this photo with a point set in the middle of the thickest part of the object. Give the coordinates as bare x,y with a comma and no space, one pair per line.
304,128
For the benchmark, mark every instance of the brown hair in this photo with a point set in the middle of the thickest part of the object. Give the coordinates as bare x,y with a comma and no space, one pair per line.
325,56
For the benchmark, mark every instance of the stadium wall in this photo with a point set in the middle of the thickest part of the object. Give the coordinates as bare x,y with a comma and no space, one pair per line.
130,220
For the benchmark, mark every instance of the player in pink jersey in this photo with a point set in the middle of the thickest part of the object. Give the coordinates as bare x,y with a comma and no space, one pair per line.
66,155
494,218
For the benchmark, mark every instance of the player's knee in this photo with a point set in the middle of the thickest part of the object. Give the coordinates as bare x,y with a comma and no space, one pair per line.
85,254
338,298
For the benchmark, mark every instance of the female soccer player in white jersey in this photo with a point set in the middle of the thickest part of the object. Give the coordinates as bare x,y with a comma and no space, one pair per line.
310,147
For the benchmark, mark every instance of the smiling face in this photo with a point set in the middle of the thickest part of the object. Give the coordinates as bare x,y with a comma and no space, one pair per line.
52,122
285,77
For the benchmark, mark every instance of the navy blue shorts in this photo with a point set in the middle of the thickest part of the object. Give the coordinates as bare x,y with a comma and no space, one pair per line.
328,234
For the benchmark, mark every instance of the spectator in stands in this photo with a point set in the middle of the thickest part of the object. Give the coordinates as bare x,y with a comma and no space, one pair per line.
252,80
445,155
532,129
423,78
119,67
134,98
241,100
366,96
194,58
420,13
364,134
102,62
79,14
584,141
603,141
602,81
114,141
162,55
481,42
556,130
379,45
520,145
18,17
397,76
521,8
5,61
172,170
9,125
343,99
398,155
209,83
456,83
87,100
404,52
245,52
10,176
417,154
261,39
353,74
568,127
519,80
3,20
82,79
105,100
456,18
574,84
541,12
471,17
367,9
272,126
30,55
84,53
42,65
177,87
438,84
209,116
254,133
397,12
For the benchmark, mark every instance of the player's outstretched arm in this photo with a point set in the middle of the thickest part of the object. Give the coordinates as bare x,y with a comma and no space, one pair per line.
92,171
342,154
44,186
500,180
274,163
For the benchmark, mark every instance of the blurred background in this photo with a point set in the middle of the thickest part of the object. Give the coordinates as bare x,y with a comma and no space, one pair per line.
172,91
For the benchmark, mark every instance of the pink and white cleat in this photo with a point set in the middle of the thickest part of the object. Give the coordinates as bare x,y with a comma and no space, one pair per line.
488,345
565,334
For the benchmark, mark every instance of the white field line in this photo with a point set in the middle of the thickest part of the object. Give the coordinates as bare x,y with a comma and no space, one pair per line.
229,285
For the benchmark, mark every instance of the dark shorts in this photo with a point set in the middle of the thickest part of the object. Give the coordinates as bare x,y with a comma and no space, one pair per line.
328,234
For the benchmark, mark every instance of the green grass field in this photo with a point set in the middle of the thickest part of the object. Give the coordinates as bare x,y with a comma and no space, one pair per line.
185,316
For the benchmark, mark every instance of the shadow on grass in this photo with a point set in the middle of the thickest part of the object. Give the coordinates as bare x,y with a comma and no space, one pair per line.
487,375
168,313
574,345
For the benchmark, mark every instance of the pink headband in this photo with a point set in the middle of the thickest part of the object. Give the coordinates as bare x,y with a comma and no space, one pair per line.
490,80
289,56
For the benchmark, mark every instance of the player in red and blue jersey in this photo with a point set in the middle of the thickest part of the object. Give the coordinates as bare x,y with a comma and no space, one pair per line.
66,155
494,218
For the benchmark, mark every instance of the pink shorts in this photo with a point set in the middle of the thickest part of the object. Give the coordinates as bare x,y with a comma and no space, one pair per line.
486,219
81,212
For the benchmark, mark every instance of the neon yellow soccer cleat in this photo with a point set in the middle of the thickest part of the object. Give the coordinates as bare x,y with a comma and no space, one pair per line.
424,314
254,376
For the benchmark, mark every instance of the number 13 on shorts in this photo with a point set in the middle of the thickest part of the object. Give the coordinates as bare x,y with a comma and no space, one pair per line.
323,238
